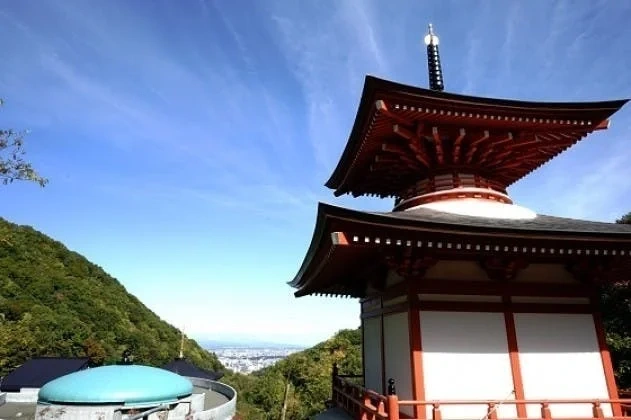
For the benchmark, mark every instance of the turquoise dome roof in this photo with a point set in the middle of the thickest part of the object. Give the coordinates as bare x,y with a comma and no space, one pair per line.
131,385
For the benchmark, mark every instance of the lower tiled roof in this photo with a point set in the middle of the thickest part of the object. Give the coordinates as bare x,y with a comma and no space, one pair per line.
541,223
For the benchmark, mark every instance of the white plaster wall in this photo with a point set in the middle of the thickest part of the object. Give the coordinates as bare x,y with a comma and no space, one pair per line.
372,354
456,270
545,273
560,359
397,353
465,357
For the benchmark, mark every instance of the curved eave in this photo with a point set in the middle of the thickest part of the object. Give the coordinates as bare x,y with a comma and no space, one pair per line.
366,102
314,247
338,241
375,87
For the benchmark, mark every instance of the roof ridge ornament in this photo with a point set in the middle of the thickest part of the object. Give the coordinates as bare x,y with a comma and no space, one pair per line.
433,60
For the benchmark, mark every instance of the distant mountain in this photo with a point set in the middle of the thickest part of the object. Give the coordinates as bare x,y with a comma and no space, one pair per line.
54,302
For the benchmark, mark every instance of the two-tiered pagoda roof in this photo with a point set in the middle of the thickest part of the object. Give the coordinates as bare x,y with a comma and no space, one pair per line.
448,159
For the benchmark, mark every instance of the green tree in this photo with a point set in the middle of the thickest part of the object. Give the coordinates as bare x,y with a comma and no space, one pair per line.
626,219
616,308
13,167
95,351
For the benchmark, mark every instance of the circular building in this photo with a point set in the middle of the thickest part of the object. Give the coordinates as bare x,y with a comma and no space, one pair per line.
119,391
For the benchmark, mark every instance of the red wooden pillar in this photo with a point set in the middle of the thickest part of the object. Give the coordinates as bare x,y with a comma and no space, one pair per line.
513,354
610,378
416,355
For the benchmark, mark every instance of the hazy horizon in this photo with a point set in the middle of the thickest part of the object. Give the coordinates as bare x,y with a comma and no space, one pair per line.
187,143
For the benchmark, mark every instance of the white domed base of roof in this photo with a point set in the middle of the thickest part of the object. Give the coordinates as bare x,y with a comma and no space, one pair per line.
480,208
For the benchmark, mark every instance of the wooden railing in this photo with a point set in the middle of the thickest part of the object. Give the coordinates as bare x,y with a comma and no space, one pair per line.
362,403
365,404
491,412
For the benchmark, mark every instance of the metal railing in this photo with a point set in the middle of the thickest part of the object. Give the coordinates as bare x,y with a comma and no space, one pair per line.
365,404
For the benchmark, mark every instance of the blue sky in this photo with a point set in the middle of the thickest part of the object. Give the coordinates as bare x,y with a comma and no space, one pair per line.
187,142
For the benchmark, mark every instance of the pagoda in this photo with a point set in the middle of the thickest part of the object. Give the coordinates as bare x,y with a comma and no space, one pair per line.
472,307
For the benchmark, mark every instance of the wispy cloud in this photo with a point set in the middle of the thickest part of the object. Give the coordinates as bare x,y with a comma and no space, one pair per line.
329,72
211,114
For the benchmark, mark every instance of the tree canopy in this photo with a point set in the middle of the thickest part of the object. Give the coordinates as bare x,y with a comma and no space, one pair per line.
616,309
13,166
626,219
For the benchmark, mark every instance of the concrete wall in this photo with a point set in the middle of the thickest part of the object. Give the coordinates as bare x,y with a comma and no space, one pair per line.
225,411
59,412
26,395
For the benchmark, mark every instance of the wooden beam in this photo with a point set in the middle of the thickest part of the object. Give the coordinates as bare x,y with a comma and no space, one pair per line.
414,143
603,125
536,139
339,238
461,135
501,156
381,106
498,148
530,156
507,139
485,288
419,129
398,159
384,169
485,154
438,143
545,151
394,148
474,145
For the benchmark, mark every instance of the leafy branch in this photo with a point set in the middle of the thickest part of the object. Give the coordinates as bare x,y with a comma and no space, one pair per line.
13,166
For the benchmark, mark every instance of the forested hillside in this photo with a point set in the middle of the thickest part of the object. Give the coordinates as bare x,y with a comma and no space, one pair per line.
55,302
308,374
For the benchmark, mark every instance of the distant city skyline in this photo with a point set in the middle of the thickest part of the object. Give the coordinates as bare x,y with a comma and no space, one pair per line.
187,144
